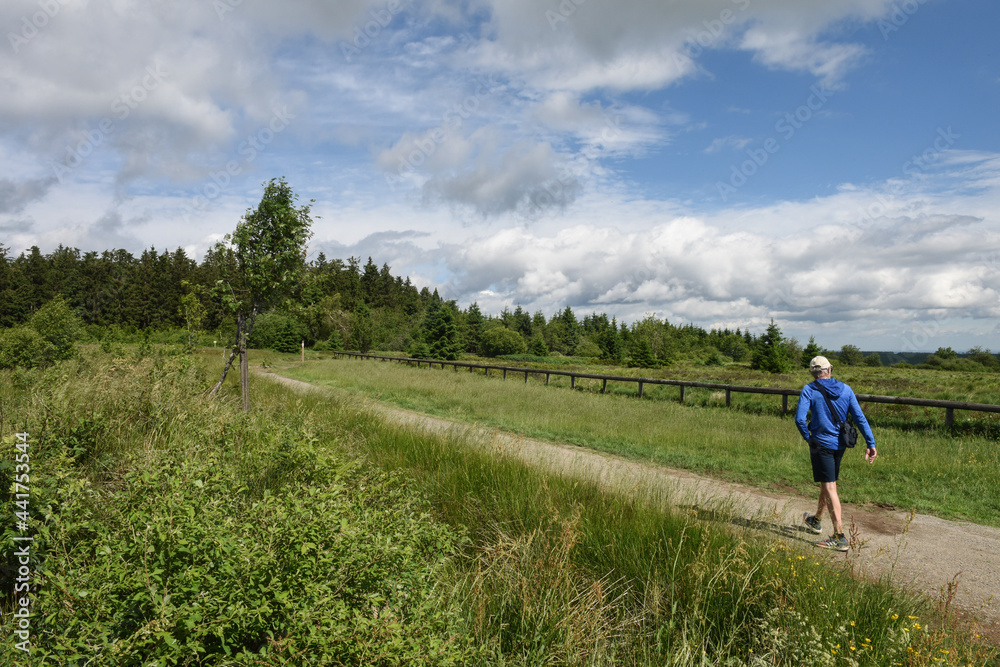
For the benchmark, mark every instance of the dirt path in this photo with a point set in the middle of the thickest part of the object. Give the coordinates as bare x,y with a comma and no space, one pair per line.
920,552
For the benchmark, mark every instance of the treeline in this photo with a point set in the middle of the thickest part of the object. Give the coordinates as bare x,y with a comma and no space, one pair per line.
342,304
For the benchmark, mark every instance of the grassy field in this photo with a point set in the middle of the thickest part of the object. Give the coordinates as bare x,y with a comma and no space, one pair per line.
927,469
175,530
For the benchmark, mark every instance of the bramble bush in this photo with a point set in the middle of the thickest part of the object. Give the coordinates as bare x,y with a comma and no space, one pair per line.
173,531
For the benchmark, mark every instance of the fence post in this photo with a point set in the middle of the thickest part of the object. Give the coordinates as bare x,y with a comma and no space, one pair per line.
640,390
525,377
572,382
604,386
546,378
728,397
949,417
505,374
682,393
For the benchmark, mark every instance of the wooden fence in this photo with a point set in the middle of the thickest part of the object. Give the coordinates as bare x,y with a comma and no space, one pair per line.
730,389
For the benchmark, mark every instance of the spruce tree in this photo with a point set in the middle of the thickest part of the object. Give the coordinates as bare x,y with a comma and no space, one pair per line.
811,350
769,352
441,332
474,329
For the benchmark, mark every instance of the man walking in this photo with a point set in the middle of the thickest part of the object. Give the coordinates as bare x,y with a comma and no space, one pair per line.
822,432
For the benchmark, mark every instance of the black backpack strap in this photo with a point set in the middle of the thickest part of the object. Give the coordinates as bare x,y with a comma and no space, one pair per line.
829,404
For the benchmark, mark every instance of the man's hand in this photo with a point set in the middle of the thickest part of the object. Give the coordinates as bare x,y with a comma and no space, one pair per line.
870,454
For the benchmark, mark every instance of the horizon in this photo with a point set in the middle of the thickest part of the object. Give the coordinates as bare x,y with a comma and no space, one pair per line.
497,315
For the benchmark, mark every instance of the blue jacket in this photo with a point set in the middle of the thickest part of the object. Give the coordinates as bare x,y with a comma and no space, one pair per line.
819,427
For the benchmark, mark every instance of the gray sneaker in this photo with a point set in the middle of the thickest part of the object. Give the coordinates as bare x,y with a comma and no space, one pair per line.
812,524
835,542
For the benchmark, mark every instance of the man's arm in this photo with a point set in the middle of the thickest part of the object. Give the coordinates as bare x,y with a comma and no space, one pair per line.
854,409
802,414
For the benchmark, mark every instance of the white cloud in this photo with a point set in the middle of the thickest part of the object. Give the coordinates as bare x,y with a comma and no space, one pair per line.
830,276
732,141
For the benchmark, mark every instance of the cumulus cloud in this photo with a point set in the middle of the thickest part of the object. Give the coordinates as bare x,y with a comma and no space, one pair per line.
481,172
688,269
15,195
109,81
644,44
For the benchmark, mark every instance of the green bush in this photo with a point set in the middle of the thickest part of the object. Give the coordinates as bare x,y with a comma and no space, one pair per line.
50,335
219,538
589,349
501,340
280,333
23,346
59,326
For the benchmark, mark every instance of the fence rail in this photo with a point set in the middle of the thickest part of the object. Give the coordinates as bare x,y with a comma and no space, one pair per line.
730,389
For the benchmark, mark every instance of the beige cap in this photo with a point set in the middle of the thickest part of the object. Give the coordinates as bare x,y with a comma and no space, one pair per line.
819,364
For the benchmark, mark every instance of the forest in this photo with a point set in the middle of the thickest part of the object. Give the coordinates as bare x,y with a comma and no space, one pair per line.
114,296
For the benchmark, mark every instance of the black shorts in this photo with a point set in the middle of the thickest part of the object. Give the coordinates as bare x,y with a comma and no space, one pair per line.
825,463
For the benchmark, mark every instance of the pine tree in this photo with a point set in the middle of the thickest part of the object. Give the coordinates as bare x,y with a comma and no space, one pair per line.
642,353
474,329
362,329
811,350
538,346
769,352
441,332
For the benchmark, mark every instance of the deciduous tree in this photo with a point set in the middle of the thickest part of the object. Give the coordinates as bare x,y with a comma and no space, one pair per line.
268,247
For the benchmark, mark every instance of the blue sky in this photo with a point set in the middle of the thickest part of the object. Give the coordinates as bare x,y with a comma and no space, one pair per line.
834,166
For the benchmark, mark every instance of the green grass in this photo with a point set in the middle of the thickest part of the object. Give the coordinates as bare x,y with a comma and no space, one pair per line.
916,469
175,530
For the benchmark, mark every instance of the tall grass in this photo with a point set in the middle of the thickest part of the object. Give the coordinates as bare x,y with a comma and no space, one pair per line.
915,470
565,572
174,530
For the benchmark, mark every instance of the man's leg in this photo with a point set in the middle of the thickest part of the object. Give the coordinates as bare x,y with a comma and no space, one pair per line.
823,502
828,491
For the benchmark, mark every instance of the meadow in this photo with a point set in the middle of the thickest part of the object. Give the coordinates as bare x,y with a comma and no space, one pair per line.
174,530
922,466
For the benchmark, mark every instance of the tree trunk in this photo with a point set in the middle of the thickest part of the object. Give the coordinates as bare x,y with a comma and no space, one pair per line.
244,327
244,368
229,363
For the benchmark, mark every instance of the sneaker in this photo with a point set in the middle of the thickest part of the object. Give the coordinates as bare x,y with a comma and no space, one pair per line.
836,542
812,524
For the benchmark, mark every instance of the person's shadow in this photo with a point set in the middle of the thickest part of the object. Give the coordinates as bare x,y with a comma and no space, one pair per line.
790,531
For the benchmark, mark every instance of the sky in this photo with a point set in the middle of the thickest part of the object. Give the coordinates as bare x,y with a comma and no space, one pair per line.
833,166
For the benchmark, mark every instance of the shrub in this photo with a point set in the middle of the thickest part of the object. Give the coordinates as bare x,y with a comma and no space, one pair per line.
280,333
193,552
589,349
873,360
59,326
23,346
501,340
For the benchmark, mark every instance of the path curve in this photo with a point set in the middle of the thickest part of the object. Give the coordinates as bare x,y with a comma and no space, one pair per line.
921,552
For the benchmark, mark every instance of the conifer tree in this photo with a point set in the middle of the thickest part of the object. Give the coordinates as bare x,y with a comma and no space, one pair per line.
809,351
441,332
474,329
769,352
